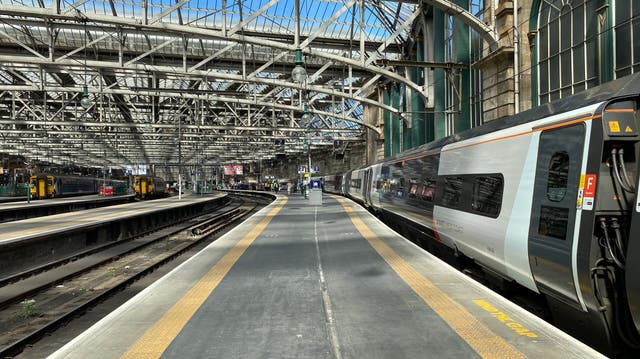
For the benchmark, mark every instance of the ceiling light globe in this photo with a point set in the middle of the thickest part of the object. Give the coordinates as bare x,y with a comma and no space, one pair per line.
86,101
299,74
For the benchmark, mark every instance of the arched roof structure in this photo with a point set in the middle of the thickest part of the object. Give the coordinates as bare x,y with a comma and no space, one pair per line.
212,77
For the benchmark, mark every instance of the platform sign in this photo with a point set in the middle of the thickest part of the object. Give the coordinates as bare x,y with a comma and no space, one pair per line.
302,169
316,169
315,191
316,184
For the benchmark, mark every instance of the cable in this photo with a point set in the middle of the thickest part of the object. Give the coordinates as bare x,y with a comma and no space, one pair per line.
624,170
622,184
607,241
616,228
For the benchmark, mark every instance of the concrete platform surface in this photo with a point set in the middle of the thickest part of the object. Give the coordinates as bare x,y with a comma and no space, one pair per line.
330,281
16,231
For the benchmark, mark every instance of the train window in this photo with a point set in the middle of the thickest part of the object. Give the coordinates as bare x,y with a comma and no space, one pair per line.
487,194
558,176
452,191
413,190
553,222
427,193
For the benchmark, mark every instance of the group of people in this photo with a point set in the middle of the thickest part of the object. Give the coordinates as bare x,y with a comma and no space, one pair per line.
291,187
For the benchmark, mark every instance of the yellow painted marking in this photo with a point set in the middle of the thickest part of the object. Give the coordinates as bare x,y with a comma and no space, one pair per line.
504,318
581,191
486,343
156,340
614,126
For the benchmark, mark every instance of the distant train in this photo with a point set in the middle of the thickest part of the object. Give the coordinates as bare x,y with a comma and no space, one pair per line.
149,187
52,186
547,199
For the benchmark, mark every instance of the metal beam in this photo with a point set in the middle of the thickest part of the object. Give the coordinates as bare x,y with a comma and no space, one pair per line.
197,73
485,31
210,33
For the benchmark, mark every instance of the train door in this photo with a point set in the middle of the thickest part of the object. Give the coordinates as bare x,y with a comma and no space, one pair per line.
143,187
42,187
554,211
366,186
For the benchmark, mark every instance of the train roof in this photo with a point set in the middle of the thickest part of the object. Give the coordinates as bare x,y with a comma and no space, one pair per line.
626,86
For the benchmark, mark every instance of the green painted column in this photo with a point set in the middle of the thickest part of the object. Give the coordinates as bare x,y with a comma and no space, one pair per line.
386,99
533,30
461,55
407,132
439,76
606,42
396,122
418,133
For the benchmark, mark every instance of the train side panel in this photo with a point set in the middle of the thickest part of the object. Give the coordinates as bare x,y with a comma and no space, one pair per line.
356,183
453,217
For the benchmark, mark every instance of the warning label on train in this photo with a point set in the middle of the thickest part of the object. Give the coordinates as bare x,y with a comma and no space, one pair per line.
614,126
589,191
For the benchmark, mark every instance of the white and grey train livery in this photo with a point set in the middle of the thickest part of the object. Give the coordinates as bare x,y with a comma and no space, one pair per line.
547,199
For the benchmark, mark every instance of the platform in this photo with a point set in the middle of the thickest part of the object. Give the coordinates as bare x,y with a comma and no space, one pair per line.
32,243
330,281
23,209
21,230
11,205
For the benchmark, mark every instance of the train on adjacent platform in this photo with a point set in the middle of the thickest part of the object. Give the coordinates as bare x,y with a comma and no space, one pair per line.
149,187
46,185
547,199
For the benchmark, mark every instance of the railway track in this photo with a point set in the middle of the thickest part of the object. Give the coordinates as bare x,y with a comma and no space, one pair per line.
33,305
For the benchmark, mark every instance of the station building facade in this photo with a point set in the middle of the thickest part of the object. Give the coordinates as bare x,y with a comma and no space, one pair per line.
558,48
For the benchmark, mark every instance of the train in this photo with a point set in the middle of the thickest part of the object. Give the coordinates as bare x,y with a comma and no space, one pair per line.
47,185
545,200
149,187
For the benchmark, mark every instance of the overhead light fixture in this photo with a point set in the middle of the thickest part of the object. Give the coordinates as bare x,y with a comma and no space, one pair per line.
299,74
86,100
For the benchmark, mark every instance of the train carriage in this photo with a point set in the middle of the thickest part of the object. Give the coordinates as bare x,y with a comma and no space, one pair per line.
52,186
149,186
546,199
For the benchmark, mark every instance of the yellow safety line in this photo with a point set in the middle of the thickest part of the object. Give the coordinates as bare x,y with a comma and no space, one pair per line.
486,343
156,340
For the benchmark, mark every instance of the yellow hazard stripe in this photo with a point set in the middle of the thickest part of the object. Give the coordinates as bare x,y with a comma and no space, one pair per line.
486,343
155,341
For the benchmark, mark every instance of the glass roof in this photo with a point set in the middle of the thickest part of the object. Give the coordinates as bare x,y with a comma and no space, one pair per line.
214,68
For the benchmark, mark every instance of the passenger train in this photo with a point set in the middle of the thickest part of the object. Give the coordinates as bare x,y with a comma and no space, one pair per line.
547,199
46,185
149,187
